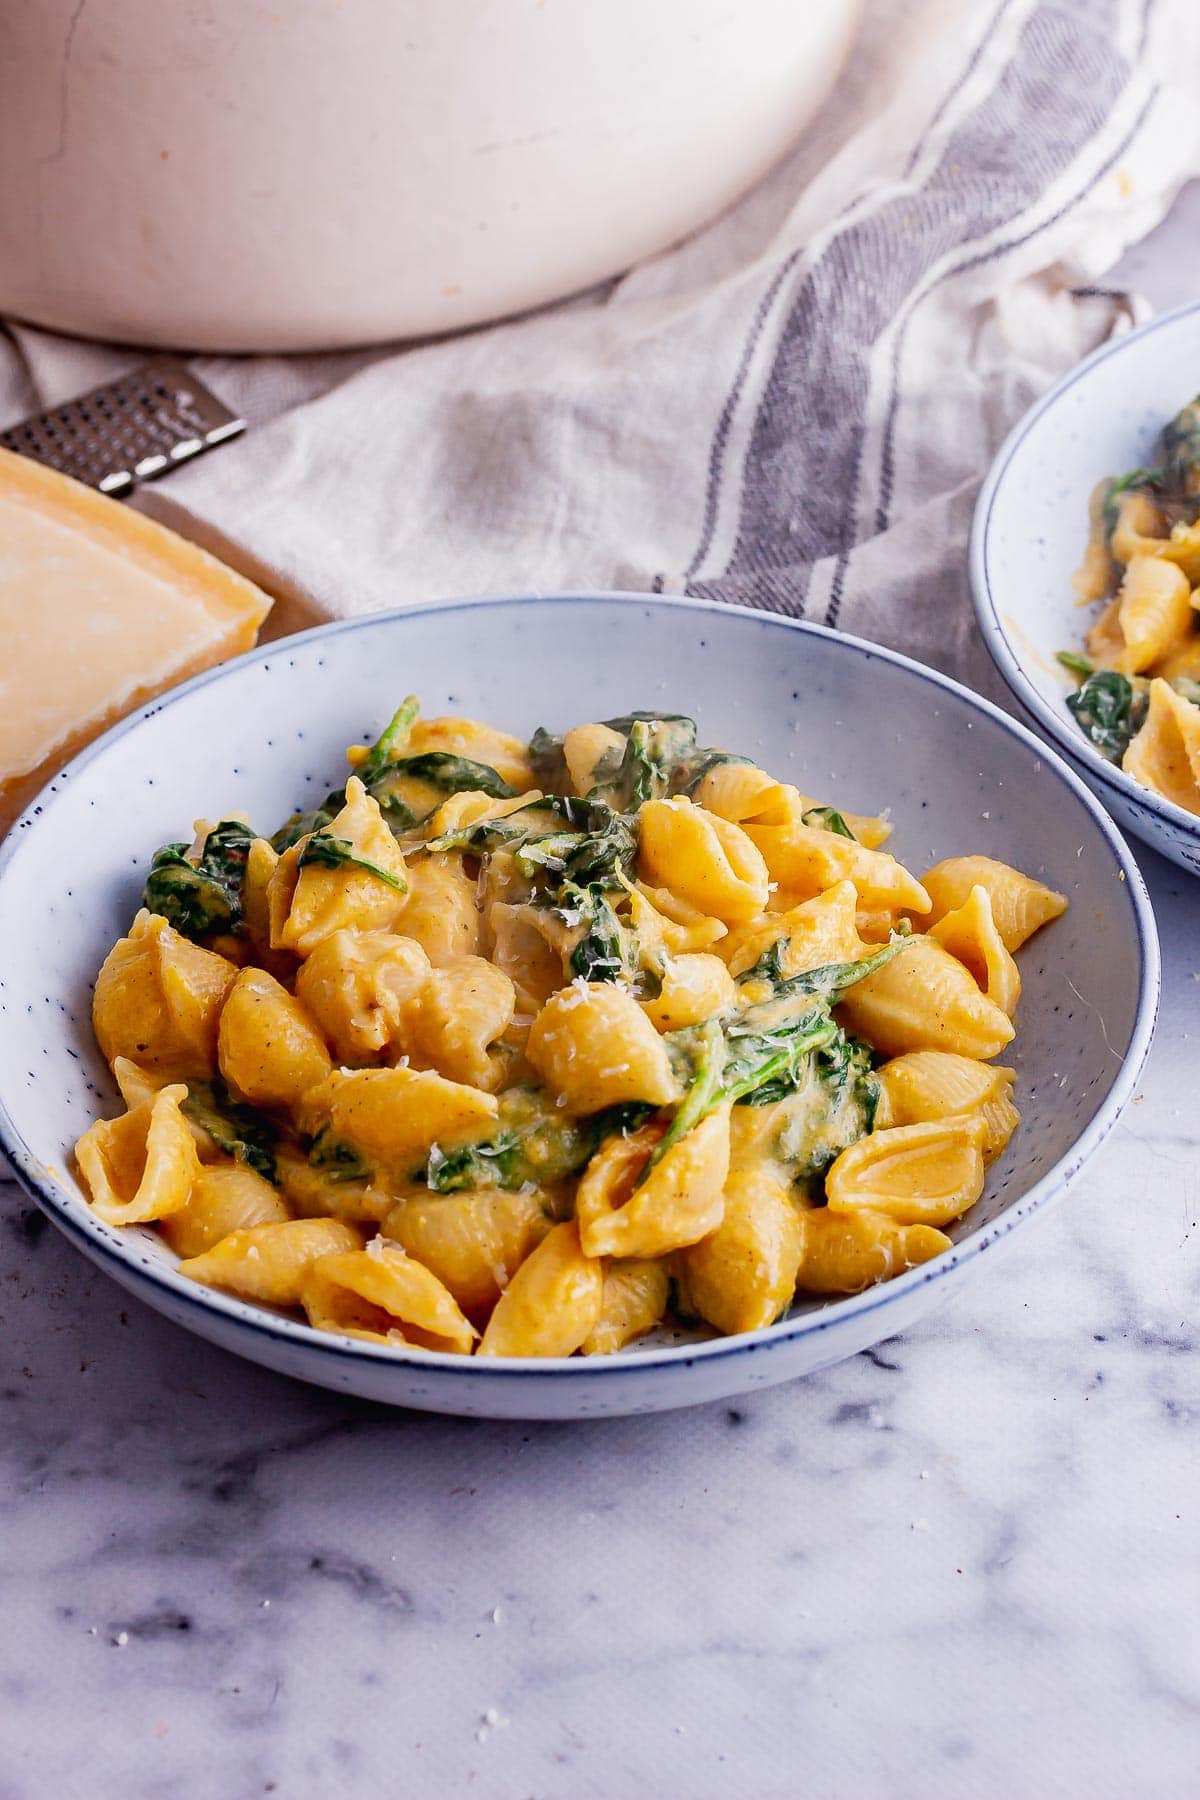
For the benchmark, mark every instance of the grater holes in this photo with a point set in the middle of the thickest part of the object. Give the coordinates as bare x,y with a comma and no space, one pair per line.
134,428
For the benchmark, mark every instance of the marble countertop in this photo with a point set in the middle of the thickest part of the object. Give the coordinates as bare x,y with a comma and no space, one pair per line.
962,1564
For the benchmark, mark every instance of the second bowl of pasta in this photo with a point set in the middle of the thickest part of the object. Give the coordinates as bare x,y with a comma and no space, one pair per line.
555,1047
1085,568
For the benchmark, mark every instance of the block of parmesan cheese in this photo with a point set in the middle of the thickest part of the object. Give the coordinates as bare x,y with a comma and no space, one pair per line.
100,610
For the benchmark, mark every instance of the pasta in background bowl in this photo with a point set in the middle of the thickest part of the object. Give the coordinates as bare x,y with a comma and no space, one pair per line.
1050,532
315,953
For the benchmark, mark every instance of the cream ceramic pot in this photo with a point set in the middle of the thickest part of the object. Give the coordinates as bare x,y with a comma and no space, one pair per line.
297,174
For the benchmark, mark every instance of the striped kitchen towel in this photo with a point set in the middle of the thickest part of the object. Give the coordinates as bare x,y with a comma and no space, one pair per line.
792,410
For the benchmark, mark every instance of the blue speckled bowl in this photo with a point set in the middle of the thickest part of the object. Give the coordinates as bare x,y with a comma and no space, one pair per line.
843,719
1030,531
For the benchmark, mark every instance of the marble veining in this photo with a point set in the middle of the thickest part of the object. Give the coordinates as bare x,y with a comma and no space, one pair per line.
963,1563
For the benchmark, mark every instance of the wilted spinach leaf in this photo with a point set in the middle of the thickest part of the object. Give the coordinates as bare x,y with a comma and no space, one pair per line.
828,818
325,851
533,1143
202,899
337,1161
1108,709
240,1131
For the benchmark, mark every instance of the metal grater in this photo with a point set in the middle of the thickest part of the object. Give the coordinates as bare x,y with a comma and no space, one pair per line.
130,430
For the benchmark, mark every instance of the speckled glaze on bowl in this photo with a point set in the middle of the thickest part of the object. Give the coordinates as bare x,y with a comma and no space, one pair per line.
840,717
1030,530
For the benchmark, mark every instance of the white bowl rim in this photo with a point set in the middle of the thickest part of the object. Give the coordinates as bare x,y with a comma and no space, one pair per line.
987,610
103,1244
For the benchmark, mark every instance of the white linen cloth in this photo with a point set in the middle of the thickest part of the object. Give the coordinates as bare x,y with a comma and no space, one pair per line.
792,410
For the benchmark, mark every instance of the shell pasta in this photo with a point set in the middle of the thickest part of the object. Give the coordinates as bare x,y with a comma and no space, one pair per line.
1138,699
526,1050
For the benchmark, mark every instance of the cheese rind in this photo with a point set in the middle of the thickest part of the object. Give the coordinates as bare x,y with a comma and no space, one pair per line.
100,610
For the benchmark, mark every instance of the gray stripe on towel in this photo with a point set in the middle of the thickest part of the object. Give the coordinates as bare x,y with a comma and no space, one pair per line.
799,484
